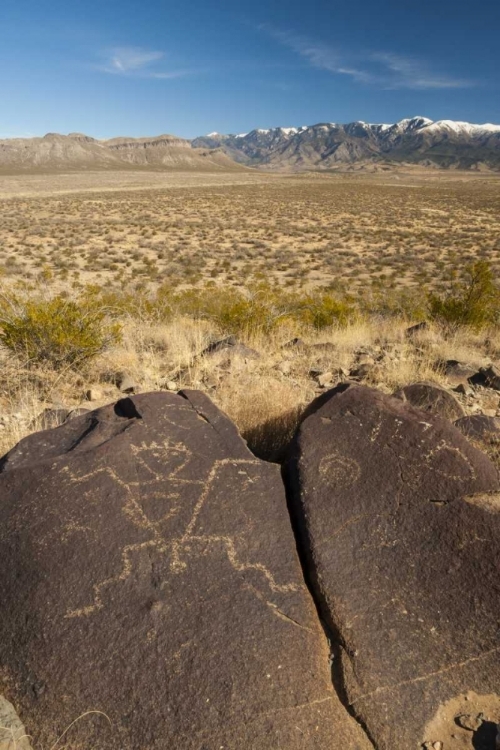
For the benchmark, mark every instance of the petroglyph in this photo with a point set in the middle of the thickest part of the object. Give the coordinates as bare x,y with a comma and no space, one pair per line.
179,547
339,471
442,446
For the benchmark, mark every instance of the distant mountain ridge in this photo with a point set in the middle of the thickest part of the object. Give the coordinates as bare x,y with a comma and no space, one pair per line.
78,151
416,140
324,146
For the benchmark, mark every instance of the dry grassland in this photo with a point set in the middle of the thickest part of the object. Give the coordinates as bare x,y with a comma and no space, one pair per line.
302,231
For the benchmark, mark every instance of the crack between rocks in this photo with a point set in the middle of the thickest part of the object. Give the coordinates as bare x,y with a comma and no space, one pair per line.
336,643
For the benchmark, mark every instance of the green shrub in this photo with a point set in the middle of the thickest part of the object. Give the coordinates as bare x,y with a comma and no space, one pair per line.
473,301
324,310
57,332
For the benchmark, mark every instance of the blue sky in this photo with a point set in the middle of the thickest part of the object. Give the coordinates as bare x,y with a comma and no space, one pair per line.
124,67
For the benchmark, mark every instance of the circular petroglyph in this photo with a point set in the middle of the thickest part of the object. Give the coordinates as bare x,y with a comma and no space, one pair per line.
339,471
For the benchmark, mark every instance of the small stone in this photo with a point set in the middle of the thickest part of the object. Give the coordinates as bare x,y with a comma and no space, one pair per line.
295,344
489,412
464,390
125,382
324,379
363,371
93,394
284,367
470,722
171,385
417,328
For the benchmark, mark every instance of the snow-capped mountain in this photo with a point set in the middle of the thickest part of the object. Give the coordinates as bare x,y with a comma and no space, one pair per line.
444,143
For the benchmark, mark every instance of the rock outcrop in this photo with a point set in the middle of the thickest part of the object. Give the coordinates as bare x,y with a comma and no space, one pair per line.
398,515
432,398
149,572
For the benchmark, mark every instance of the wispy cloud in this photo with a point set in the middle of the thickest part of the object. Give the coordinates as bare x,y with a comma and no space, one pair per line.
412,73
383,69
137,62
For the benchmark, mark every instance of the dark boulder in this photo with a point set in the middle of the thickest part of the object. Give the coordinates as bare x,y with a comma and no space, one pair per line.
297,344
433,399
399,518
488,377
458,373
149,572
480,428
232,347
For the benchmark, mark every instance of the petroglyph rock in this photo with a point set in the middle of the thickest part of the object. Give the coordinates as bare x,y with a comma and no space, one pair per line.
433,399
396,512
149,571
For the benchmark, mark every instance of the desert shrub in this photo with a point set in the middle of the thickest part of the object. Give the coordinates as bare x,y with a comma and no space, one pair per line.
134,302
58,332
409,304
472,301
260,309
324,310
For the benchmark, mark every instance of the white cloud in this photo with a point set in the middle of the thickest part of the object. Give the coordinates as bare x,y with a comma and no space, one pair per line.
383,69
411,73
137,62
126,59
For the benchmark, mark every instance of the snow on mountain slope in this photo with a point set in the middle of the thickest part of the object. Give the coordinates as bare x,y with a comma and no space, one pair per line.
444,143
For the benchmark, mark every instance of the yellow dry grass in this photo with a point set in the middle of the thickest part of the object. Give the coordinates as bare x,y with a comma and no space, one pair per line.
264,396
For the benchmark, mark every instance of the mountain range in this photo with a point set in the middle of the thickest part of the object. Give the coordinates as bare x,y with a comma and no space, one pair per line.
325,146
418,140
78,151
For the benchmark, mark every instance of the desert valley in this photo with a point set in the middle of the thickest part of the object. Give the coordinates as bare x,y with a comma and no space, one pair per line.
250,428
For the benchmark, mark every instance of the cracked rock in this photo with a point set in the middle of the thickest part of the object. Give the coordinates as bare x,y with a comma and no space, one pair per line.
149,570
396,511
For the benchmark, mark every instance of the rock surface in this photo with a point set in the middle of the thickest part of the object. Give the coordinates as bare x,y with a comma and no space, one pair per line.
433,399
398,514
480,428
149,571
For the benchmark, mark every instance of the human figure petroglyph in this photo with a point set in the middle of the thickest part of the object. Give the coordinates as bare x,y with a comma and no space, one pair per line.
177,547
